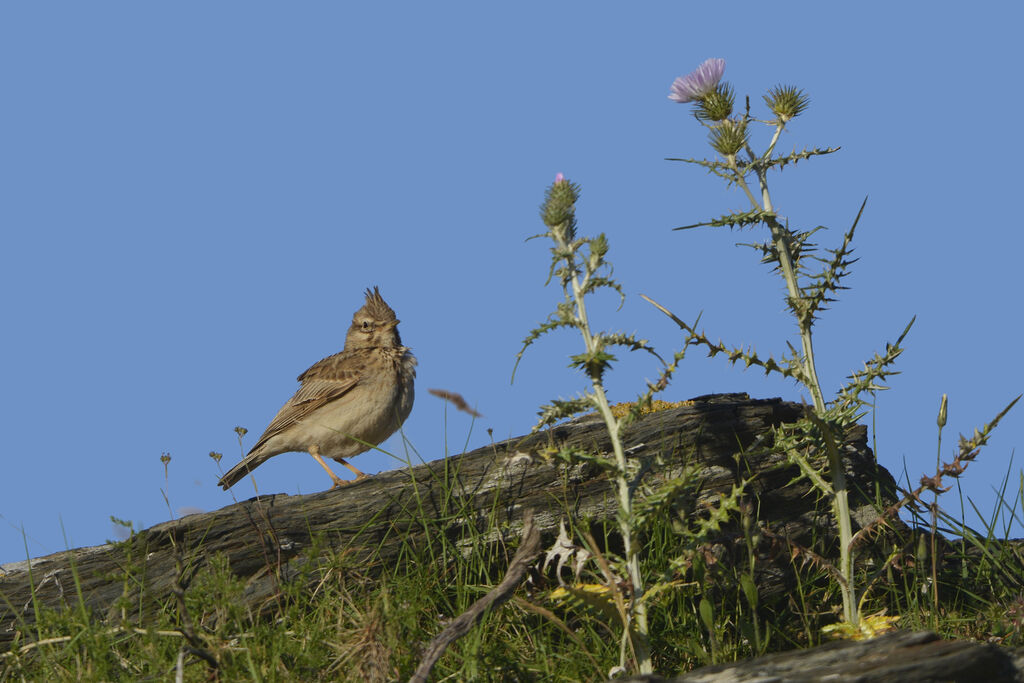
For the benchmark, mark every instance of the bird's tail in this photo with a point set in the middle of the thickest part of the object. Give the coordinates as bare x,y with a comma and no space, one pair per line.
248,464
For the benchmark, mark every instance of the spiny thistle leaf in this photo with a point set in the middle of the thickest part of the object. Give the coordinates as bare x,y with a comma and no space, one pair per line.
781,162
655,592
545,327
653,505
594,363
563,266
558,410
768,252
571,455
836,268
718,168
595,283
556,321
877,369
800,248
718,513
968,448
629,341
788,368
591,596
734,220
809,472
800,442
644,402
697,529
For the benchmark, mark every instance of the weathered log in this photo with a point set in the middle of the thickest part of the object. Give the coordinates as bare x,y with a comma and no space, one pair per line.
265,538
909,657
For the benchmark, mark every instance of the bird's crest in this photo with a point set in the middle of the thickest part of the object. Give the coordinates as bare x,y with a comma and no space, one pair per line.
376,307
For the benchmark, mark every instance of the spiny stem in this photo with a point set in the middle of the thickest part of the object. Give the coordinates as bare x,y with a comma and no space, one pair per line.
941,421
775,138
789,275
641,645
840,499
741,181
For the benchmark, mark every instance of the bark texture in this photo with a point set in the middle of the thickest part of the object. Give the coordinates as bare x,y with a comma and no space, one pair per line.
906,656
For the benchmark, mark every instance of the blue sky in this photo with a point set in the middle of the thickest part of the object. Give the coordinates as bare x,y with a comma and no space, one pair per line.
196,194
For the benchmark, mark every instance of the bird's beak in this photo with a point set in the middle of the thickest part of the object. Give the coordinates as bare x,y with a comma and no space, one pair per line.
391,325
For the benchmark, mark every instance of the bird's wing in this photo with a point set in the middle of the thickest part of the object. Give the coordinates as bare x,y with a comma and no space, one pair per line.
328,380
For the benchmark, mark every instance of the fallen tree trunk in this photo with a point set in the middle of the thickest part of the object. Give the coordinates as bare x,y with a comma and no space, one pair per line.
267,538
911,657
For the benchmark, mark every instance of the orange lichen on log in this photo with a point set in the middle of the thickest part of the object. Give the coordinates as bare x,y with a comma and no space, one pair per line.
620,410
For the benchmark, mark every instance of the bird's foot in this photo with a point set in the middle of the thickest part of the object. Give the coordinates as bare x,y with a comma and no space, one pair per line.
314,450
338,483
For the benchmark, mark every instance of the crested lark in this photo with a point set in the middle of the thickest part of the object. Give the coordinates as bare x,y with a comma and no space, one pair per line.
348,402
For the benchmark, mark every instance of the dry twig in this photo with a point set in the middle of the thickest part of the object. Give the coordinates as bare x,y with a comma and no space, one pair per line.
528,551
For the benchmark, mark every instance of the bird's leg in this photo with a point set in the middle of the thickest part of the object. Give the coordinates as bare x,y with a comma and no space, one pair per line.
359,475
314,450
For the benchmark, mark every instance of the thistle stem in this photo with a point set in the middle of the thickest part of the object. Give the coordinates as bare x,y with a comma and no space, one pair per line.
638,631
775,138
941,421
781,238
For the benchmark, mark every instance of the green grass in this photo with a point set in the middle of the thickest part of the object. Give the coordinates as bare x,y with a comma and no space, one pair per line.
336,621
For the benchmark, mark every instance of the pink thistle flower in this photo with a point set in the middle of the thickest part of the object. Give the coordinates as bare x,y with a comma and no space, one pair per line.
699,83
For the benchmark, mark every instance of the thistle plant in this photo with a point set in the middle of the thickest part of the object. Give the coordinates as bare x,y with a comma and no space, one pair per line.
578,264
812,444
811,280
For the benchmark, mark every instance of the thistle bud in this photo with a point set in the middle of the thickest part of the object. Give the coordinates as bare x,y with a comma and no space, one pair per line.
941,421
786,101
729,137
716,105
559,207
165,458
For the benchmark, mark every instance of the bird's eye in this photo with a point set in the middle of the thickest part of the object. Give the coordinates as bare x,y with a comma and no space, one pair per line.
366,324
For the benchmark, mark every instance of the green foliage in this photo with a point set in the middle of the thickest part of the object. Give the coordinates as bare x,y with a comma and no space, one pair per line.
342,620
815,296
740,219
781,161
848,403
790,366
561,409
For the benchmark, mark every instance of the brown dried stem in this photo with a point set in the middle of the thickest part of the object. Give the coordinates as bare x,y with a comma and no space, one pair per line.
528,551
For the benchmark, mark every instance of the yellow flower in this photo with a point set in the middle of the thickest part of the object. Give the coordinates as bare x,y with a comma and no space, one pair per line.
869,627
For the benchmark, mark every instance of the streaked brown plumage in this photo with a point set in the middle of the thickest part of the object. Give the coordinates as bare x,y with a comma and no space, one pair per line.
348,402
